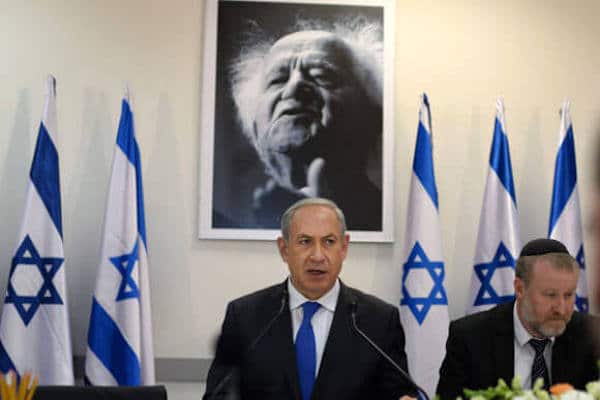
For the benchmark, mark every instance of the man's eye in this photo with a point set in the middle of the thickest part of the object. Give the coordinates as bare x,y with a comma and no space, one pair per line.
324,77
276,80
303,241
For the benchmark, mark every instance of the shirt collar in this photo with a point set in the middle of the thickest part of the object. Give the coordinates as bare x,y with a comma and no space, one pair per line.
327,301
521,334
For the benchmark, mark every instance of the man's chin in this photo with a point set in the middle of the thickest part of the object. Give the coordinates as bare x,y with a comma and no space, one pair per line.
553,329
291,133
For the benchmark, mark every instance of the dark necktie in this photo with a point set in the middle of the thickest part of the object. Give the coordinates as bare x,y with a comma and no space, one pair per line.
539,369
306,350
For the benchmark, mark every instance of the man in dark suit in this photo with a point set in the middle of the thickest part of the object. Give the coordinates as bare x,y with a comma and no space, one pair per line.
297,340
538,335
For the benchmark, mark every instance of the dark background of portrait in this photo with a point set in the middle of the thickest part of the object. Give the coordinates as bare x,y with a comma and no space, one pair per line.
237,171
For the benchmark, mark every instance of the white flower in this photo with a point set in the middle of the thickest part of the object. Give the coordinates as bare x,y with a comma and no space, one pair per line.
526,395
593,388
576,395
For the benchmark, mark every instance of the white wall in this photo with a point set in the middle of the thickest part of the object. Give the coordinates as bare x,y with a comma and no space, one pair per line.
462,53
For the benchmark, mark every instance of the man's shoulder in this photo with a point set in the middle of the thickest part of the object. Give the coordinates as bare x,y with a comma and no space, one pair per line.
584,324
579,318
267,294
366,300
584,330
495,316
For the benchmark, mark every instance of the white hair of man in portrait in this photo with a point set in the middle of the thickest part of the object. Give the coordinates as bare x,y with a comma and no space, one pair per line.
310,103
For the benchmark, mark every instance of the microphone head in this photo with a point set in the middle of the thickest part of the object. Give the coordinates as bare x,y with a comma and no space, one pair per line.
353,308
285,293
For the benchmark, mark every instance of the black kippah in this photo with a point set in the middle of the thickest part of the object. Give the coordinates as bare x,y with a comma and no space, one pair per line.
537,247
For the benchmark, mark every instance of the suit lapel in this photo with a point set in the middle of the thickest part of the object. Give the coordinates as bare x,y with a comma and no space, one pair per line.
283,344
339,340
561,359
503,347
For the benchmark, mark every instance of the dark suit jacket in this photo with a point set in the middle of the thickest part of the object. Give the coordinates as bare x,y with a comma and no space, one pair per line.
480,350
100,393
349,369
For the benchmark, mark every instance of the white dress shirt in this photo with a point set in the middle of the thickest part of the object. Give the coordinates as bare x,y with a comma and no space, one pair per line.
525,354
321,321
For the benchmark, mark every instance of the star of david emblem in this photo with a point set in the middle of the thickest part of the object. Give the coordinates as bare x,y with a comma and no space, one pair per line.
125,264
420,306
485,271
23,281
581,302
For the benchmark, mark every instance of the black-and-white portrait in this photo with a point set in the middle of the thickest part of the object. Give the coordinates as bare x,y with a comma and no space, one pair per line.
298,112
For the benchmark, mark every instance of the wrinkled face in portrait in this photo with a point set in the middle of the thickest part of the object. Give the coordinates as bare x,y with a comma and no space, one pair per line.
545,304
315,250
312,106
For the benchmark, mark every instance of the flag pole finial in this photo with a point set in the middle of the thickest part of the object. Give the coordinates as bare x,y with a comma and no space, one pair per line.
127,93
51,85
566,105
500,103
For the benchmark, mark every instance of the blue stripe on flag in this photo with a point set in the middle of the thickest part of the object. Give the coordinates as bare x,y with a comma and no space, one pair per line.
44,175
6,363
141,220
423,163
110,347
127,143
565,177
500,160
125,139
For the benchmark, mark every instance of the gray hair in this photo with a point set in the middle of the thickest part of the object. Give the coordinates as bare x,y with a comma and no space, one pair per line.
288,215
364,38
560,261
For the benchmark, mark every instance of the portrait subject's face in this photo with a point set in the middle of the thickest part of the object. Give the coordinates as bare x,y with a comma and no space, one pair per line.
315,250
311,104
545,305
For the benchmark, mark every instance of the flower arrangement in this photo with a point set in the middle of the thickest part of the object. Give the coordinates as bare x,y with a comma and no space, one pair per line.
12,389
560,391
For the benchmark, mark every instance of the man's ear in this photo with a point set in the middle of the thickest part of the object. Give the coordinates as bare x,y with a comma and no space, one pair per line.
345,242
283,250
519,288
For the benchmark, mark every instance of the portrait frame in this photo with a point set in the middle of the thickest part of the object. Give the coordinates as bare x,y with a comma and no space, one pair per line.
214,93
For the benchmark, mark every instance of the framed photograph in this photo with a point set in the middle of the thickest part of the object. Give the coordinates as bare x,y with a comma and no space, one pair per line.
297,101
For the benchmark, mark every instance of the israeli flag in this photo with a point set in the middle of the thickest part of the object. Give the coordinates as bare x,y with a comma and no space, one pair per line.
498,237
565,216
119,348
424,304
34,328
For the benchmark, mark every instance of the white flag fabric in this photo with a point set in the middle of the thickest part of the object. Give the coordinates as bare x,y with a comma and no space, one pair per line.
565,215
119,348
34,328
498,237
424,303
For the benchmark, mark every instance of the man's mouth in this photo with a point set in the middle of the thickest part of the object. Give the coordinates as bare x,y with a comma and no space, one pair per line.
316,272
558,321
298,112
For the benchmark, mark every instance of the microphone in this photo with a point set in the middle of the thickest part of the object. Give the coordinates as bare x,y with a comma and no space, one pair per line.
221,384
403,373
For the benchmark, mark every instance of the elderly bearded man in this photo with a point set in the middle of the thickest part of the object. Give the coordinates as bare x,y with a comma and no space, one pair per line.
297,340
311,106
538,335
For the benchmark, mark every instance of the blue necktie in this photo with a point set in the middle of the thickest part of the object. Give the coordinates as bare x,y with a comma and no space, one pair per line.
306,351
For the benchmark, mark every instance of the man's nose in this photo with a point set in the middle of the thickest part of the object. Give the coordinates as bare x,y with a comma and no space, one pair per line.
561,305
297,86
317,254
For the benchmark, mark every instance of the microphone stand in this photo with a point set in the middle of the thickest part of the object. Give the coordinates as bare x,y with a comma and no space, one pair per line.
221,384
382,353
